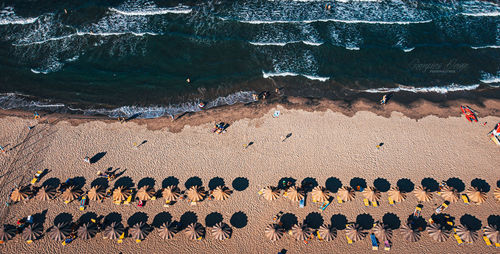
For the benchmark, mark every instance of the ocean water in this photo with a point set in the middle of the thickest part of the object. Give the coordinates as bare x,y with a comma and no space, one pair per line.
132,57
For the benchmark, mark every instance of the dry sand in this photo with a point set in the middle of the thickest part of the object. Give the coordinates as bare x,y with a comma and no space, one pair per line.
323,145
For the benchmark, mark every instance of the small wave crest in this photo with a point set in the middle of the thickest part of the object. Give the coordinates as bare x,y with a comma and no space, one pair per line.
335,20
292,74
9,17
432,89
281,44
490,78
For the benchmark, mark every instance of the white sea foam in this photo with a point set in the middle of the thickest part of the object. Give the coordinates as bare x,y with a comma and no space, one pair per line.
9,17
335,20
483,14
281,44
487,47
158,11
408,49
292,74
80,33
352,48
432,89
490,78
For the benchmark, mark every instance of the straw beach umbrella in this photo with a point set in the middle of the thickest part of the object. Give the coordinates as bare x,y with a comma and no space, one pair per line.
396,195
476,195
196,193
438,232
372,194
7,232
145,193
87,231
493,233
382,232
270,193
422,194
171,193
409,233
346,193
274,232
167,230
45,193
139,231
59,231
327,232
32,232
295,194
20,193
496,193
97,193
71,193
221,231
466,234
320,194
450,194
121,194
195,231
221,193
354,232
301,231
114,231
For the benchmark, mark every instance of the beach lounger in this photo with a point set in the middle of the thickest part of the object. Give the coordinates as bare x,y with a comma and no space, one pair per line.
375,204
82,203
459,240
431,221
387,245
29,241
319,236
391,201
366,202
129,199
349,241
37,176
339,200
120,239
374,242
465,198
497,245
302,202
486,240
442,207
324,205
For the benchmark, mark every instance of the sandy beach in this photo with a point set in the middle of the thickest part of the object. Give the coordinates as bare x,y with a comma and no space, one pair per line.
324,144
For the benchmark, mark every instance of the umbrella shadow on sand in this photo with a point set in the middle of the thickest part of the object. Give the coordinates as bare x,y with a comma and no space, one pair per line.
63,218
240,183
333,184
163,217
405,185
193,181
339,221
212,219
146,181
186,219
136,218
215,182
239,220
169,181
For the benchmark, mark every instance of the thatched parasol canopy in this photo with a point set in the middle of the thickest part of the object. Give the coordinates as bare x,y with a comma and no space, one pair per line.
196,193
7,232
71,193
167,230
409,233
45,193
171,193
396,194
346,193
32,232
114,231
59,231
139,231
327,232
438,232
87,231
274,232
20,193
121,194
301,231
270,193
496,193
221,231
493,233
145,193
422,194
466,234
320,194
195,231
295,194
372,194
382,232
354,232
450,194
221,193
97,193
475,195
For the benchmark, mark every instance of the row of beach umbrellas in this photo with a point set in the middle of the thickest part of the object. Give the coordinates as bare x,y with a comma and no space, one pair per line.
121,193
346,193
113,231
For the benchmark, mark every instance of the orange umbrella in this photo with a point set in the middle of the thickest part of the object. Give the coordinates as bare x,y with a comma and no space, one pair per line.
496,193
372,194
301,231
396,195
450,194
274,232
438,233
121,194
354,232
221,231
171,193
409,233
20,193
45,193
97,193
71,193
167,230
195,231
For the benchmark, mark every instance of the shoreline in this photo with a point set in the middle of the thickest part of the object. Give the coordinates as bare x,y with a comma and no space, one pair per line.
417,109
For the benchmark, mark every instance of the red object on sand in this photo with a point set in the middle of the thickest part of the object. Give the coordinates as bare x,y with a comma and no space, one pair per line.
469,113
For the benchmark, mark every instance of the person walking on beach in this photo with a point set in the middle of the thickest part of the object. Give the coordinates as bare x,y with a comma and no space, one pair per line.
86,159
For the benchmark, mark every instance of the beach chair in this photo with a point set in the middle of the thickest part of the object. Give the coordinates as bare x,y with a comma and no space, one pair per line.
387,245
324,205
497,245
374,242
366,202
391,201
302,202
459,240
129,199
37,176
339,200
487,240
418,210
375,204
120,239
465,198
349,241
82,203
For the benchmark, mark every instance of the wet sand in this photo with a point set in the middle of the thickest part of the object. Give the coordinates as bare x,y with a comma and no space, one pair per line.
435,143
